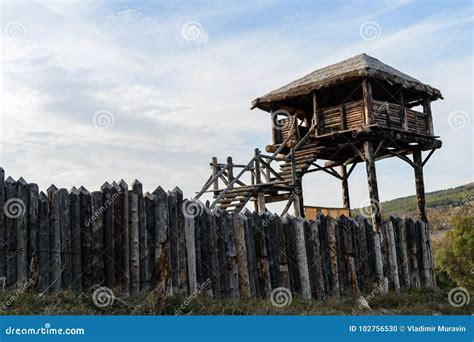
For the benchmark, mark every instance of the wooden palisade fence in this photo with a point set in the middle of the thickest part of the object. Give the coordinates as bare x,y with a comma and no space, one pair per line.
134,243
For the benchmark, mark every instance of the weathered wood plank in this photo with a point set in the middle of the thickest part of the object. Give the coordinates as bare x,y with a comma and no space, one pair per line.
86,237
241,250
313,252
302,260
251,253
66,248
22,233
2,224
189,231
263,280
117,236
149,246
271,241
134,243
125,246
55,240
162,261
231,257
108,235
43,244
76,245
33,229
98,276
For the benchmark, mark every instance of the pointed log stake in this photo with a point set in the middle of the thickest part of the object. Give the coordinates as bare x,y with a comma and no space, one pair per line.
43,244
22,232
241,250
190,246
55,242
108,237
125,246
33,228
134,244
162,264
76,245
2,225
66,251
302,259
97,238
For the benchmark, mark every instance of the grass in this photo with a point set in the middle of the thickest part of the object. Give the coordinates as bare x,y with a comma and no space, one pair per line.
426,302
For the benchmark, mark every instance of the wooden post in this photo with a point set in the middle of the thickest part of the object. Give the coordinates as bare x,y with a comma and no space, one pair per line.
368,106
22,233
33,227
420,187
138,189
162,244
429,116
125,236
241,251
345,188
149,245
2,224
230,170
107,220
65,228
117,234
258,180
55,242
43,244
75,222
403,116
376,210
86,236
134,243
190,240
302,259
10,231
213,174
97,238
332,247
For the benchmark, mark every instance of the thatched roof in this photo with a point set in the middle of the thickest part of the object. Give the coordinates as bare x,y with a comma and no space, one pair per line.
358,66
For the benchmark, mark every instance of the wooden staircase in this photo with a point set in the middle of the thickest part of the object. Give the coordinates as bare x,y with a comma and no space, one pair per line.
273,185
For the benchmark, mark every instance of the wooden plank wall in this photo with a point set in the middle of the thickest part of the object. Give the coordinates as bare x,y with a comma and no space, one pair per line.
135,242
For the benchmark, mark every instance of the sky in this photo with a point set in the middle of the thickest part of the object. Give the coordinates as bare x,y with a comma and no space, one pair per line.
95,91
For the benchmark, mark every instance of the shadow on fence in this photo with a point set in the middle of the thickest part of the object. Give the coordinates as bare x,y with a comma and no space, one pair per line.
134,243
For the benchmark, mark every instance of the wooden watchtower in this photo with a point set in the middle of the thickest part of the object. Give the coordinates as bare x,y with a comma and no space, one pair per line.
359,110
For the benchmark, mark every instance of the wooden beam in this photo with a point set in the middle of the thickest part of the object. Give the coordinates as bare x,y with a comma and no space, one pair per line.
428,157
368,105
427,112
215,176
345,188
420,187
403,116
373,186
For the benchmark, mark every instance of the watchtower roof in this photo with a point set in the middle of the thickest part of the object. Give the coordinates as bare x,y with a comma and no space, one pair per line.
361,65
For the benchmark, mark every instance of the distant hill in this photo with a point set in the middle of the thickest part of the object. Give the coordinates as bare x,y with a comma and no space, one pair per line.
441,205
